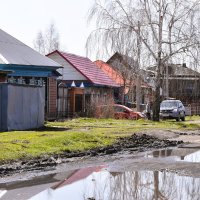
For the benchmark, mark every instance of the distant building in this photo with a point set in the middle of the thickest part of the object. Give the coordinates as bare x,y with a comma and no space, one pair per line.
183,84
135,87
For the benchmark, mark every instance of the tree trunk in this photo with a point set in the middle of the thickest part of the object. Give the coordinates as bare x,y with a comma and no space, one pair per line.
156,185
138,93
124,94
156,106
157,100
167,81
138,78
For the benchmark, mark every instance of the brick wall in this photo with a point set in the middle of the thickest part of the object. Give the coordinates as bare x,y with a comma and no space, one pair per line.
52,98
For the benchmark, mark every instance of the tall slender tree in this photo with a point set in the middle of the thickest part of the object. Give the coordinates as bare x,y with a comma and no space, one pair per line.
165,30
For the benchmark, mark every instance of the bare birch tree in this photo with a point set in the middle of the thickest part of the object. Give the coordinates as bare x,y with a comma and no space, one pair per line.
164,28
47,41
39,43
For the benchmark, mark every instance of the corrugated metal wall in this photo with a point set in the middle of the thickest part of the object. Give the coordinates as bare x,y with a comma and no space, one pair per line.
3,106
21,107
0,107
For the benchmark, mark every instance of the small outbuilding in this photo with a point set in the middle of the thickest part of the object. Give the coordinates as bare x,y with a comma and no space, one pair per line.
21,107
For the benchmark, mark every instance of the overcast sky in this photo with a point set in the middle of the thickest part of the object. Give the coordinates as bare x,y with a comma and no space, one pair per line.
23,19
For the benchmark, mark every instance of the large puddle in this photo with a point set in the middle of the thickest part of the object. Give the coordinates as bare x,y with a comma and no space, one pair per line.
181,154
100,184
104,183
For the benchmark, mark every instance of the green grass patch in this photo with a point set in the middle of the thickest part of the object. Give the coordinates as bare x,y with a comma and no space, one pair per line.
77,135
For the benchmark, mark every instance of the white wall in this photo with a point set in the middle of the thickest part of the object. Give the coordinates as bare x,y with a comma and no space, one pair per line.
68,72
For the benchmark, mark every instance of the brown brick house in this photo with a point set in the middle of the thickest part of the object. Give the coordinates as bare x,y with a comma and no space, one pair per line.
135,90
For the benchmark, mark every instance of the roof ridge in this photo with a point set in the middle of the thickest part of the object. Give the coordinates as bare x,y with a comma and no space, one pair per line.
74,55
87,68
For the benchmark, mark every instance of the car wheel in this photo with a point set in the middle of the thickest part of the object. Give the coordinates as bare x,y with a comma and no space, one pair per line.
178,119
183,118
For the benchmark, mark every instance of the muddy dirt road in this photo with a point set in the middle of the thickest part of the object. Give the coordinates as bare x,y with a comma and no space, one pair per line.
126,145
144,166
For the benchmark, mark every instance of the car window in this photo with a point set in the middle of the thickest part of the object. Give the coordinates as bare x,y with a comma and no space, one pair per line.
119,109
169,104
182,105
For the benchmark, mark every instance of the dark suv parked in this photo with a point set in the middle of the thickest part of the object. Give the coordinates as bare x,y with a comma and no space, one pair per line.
172,109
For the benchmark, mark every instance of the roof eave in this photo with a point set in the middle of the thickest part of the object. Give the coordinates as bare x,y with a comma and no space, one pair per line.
43,66
59,53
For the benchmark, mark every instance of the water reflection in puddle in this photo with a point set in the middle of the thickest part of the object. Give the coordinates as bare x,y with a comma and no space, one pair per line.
97,183
187,155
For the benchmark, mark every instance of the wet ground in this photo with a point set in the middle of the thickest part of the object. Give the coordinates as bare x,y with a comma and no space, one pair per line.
171,173
146,169
132,143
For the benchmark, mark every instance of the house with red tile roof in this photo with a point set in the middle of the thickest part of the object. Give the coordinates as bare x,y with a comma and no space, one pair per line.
81,83
113,74
78,175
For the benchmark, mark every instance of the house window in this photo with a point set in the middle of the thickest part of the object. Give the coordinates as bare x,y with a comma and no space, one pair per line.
11,80
189,87
32,81
20,80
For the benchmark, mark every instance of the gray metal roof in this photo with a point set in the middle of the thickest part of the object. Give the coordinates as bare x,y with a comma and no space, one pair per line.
12,51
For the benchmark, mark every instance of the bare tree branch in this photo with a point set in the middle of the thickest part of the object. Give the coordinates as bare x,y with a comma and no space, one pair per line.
47,41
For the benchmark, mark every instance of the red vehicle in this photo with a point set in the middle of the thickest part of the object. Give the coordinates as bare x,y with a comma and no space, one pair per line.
123,112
